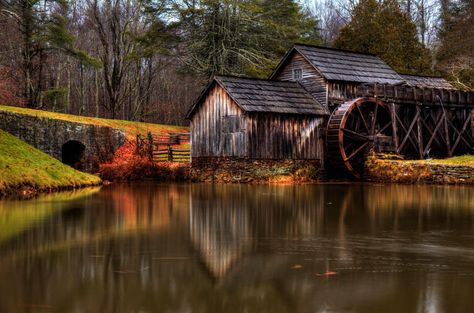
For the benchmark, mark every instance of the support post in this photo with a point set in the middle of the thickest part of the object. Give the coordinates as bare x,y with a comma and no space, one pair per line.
170,153
419,131
394,125
446,132
150,146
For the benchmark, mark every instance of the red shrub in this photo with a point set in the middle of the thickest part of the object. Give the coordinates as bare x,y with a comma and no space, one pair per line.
127,166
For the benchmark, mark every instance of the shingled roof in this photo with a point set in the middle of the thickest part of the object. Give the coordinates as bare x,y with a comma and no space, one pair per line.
257,95
426,81
335,64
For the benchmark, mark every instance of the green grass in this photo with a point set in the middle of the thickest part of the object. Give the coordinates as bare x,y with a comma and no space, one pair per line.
23,165
459,160
131,128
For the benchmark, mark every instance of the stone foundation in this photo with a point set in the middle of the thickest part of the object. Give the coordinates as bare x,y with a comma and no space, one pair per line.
242,170
409,172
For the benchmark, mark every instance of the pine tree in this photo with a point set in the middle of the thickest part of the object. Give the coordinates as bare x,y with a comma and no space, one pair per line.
242,36
381,28
42,25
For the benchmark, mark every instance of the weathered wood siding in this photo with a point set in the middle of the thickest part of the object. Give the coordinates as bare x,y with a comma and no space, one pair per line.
277,136
312,81
218,128
342,91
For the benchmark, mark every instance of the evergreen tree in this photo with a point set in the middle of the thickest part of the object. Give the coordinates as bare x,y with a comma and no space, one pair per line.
42,25
381,28
242,36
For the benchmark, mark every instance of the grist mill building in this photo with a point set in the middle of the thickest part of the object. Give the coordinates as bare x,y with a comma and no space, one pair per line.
328,104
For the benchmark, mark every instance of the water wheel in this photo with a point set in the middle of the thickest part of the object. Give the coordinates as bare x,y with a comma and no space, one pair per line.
354,128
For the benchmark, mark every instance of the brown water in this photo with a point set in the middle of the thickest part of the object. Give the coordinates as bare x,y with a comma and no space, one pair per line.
205,248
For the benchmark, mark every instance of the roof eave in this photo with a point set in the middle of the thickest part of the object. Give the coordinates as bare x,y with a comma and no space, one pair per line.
282,62
215,80
285,58
196,103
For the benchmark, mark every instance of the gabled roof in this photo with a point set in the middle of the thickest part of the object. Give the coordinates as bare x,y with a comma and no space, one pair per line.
342,65
258,95
426,81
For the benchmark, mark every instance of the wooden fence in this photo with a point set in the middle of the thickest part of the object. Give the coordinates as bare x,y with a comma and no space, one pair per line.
165,148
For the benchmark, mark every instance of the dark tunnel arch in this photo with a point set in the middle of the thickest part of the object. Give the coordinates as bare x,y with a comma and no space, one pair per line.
72,153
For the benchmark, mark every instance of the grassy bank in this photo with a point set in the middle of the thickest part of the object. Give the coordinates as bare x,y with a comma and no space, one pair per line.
24,169
466,160
456,170
131,128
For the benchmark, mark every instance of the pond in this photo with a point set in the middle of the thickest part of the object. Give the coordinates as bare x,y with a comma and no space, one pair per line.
240,248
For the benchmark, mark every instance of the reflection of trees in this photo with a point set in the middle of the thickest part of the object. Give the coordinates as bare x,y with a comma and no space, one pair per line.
132,247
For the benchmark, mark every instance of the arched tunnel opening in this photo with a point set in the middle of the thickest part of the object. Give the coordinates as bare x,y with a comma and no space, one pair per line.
72,153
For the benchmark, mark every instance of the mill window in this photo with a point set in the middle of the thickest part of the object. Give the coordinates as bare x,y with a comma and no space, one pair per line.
297,74
233,124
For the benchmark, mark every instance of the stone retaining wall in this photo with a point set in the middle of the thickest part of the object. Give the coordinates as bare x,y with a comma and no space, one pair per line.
49,135
417,172
242,170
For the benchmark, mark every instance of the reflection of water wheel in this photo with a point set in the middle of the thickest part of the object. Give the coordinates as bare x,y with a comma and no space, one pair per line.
354,128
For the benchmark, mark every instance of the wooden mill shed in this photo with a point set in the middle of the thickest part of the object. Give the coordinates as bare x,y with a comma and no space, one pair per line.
256,119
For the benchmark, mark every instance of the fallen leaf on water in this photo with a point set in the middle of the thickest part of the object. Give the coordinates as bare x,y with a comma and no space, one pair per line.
327,274
297,266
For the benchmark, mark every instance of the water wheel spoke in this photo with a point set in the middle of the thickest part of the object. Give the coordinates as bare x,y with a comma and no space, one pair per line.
356,151
363,118
354,134
384,128
374,121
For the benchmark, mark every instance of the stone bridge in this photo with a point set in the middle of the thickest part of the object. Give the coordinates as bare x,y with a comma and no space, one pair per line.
82,146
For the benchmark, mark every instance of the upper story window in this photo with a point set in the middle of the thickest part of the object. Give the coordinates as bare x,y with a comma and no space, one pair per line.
297,73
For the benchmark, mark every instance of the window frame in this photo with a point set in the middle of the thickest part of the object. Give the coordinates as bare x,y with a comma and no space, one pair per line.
298,73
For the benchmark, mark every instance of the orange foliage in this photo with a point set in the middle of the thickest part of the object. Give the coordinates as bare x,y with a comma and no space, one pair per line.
127,165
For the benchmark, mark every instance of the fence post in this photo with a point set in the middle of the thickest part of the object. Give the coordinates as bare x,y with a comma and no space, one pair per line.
138,147
170,153
150,146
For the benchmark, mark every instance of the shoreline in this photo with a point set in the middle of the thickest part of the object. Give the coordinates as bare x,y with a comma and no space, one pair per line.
27,191
379,170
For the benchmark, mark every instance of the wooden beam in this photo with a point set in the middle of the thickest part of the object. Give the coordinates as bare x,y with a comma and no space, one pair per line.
419,132
433,134
446,133
409,132
394,124
460,134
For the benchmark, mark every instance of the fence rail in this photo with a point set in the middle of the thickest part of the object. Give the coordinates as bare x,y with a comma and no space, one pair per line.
164,148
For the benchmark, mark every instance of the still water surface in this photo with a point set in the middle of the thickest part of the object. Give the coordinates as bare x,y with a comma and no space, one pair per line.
239,248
